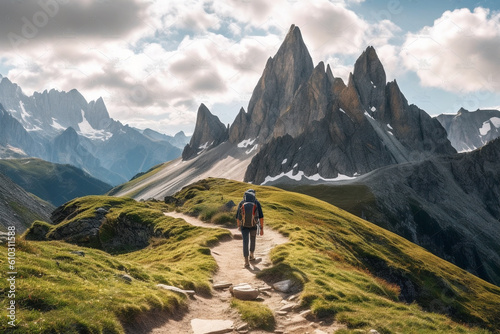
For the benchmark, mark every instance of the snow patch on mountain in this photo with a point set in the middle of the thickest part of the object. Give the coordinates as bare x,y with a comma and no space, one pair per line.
300,174
247,142
88,131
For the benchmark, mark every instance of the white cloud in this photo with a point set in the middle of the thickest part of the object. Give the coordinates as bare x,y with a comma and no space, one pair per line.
459,53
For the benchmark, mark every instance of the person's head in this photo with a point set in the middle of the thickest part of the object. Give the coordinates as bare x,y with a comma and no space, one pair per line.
249,195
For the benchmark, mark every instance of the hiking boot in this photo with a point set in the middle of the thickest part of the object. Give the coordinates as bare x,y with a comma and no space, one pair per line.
247,264
252,257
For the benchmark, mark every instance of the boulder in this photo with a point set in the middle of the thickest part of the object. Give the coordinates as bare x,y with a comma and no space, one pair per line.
244,292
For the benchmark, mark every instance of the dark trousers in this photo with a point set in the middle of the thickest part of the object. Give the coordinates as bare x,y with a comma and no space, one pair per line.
248,233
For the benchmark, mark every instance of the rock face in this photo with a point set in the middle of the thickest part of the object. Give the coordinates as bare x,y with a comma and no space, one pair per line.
35,126
470,130
331,129
208,133
19,208
283,75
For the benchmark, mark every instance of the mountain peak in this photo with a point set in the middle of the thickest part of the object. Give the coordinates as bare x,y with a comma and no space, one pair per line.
208,133
284,73
370,79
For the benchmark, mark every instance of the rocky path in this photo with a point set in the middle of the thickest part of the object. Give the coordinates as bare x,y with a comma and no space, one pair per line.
214,314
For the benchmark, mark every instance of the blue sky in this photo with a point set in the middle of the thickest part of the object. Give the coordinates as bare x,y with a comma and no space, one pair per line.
155,61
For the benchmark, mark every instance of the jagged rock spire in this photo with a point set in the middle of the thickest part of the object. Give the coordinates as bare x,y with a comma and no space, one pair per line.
209,132
370,80
283,75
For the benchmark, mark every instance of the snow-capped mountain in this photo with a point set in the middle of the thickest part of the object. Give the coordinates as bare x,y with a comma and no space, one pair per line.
63,127
469,130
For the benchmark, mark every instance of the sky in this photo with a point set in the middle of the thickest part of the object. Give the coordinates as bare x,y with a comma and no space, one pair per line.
155,61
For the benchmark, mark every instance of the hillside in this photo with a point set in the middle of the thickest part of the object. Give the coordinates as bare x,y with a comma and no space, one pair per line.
55,183
19,208
346,268
450,205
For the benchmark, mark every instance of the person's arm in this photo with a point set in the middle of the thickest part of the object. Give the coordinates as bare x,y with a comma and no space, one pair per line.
261,218
238,221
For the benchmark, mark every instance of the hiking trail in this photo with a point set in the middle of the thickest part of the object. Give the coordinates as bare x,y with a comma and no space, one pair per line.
229,258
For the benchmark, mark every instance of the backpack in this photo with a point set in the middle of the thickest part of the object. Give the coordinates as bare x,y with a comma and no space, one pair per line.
248,210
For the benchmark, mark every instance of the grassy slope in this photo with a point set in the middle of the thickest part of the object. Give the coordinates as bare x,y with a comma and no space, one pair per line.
330,255
336,256
61,292
54,183
137,180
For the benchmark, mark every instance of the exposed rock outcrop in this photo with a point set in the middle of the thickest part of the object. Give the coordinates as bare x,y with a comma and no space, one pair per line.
283,75
208,133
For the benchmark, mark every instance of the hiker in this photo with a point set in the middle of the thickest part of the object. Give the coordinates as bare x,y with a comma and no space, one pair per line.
249,218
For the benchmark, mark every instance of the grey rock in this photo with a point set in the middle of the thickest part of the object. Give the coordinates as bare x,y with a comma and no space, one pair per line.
209,132
125,277
283,286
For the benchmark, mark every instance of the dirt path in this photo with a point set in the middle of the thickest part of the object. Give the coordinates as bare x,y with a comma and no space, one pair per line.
229,258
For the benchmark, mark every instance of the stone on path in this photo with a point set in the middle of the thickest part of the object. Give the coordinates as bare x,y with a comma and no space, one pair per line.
222,285
288,307
244,292
176,289
205,326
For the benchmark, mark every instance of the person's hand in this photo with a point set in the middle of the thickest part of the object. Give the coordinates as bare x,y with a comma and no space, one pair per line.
261,231
239,228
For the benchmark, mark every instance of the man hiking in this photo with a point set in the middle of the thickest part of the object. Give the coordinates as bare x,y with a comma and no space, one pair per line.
249,218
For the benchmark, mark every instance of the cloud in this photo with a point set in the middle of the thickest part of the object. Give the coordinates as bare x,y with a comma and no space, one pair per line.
154,62
459,53
25,24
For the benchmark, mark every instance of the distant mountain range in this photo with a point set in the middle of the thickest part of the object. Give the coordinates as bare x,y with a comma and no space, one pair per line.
54,183
62,127
469,130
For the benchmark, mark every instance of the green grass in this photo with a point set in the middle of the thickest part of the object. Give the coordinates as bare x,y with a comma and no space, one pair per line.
346,269
357,272
255,314
62,292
